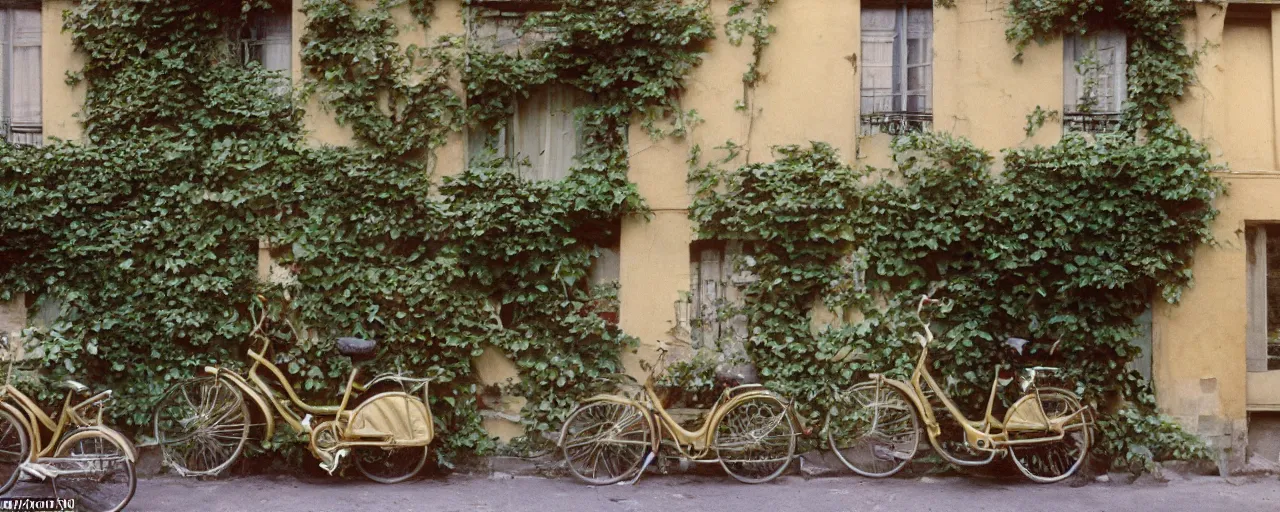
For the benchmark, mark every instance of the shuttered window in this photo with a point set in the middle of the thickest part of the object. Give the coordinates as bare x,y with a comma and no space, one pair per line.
716,283
896,67
543,136
266,39
1095,86
20,111
270,41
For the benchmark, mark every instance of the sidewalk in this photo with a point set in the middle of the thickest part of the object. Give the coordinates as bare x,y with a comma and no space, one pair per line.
697,494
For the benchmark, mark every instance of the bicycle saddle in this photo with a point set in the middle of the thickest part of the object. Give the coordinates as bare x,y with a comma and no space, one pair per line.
75,386
356,347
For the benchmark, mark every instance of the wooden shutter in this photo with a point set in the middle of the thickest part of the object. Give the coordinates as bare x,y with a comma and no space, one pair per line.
1110,50
876,63
708,294
1112,53
24,92
1256,329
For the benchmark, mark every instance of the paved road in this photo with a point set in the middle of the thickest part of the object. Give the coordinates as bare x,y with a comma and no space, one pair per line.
698,494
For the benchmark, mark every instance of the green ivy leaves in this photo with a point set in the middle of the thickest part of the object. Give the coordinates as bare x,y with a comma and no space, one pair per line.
1071,241
141,241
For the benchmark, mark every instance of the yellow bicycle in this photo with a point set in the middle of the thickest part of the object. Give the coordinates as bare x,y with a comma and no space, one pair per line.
84,460
750,431
874,427
203,424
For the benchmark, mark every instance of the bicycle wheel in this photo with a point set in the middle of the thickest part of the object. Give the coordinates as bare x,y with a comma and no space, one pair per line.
873,429
94,470
15,448
202,425
1054,461
950,443
390,465
755,439
606,442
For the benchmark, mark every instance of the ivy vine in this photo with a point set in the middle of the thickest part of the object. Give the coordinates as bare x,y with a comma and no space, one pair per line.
1071,241
140,241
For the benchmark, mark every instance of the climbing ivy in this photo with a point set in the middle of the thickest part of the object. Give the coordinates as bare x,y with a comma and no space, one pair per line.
137,245
1070,241
753,23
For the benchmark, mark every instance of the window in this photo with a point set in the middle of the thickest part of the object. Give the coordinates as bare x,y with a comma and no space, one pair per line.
542,137
607,267
266,38
715,289
1094,92
1262,333
897,67
20,111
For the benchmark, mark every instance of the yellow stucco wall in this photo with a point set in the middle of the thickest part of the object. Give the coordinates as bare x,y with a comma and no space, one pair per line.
810,91
59,101
1199,370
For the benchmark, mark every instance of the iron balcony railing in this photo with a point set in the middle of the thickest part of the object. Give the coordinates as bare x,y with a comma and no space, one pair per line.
896,123
1091,122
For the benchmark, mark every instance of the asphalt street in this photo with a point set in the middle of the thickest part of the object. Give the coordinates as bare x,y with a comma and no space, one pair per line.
698,493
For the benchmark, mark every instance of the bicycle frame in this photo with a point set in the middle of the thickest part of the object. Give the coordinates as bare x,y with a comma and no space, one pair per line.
978,434
269,403
695,444
43,427
692,444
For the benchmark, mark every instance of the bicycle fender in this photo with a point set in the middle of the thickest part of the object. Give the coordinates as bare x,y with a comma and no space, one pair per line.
648,417
268,415
131,452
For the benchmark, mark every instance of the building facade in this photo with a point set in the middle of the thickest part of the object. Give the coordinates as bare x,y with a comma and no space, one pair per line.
852,74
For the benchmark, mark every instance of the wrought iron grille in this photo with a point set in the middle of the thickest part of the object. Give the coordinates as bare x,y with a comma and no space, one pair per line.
1091,122
896,123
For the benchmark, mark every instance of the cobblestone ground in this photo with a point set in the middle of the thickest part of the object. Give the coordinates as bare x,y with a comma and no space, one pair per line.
697,493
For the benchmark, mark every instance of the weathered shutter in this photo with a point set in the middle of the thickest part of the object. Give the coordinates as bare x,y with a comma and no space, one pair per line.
1109,48
24,93
1112,53
711,275
1256,329
877,60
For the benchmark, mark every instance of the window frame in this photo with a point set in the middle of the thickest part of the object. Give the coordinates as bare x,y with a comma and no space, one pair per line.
901,118
10,131
247,42
1090,121
504,140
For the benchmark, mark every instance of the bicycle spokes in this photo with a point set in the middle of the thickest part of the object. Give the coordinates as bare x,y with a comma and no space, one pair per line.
202,425
605,442
755,439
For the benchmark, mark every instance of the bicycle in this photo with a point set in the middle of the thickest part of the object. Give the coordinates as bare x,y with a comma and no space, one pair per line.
84,461
202,424
1047,432
750,431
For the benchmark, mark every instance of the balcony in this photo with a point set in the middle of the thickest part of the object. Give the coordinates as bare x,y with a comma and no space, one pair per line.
1091,122
896,123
